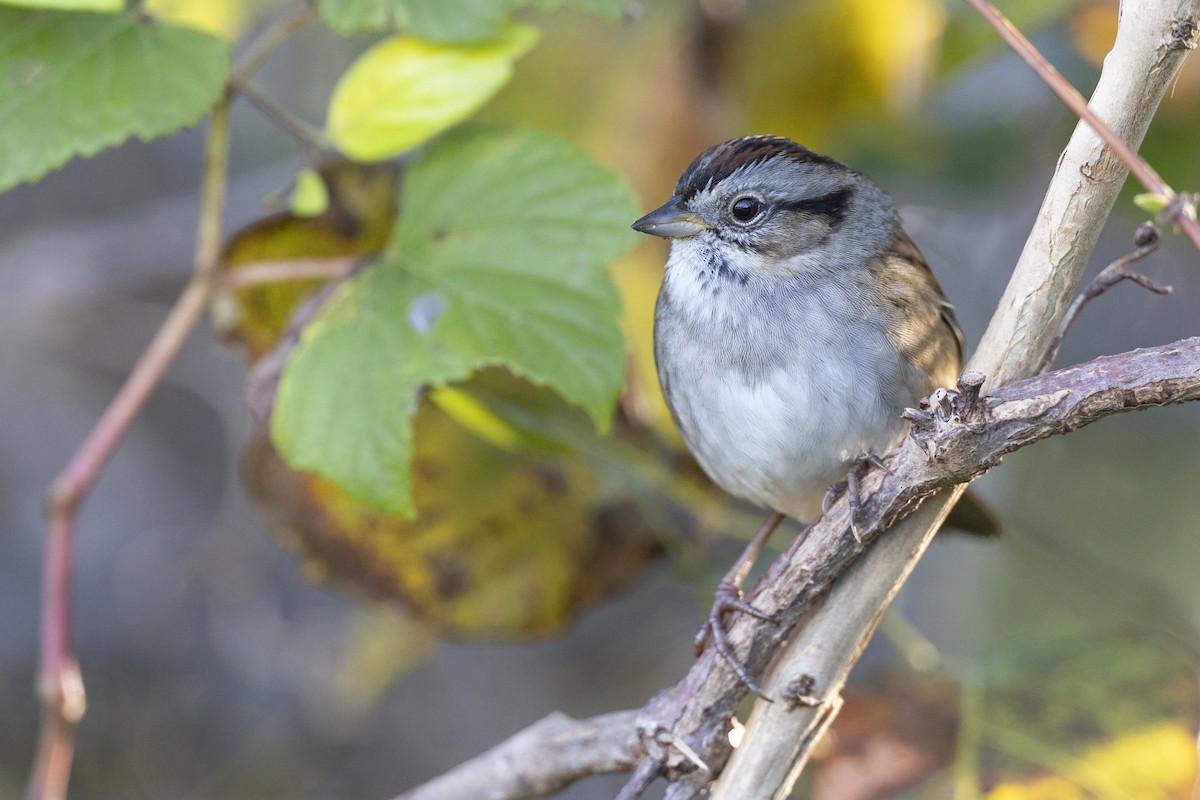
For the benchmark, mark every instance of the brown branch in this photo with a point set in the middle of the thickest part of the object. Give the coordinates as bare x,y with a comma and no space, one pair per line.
545,757
309,137
954,442
1084,188
1181,36
292,269
956,437
279,31
1081,193
59,684
253,57
1147,241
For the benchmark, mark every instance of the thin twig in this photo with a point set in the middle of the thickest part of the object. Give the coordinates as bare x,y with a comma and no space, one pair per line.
279,31
1147,241
253,57
309,137
292,269
1181,213
59,684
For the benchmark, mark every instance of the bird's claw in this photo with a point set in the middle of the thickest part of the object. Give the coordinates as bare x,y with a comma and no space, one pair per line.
850,487
728,598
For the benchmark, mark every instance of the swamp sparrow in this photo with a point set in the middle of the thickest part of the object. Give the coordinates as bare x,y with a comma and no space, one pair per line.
795,323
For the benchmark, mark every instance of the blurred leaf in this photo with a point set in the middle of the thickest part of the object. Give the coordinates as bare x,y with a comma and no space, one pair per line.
441,21
1150,202
309,197
434,20
969,36
605,8
1094,29
225,18
403,90
884,56
499,257
1106,717
887,737
68,5
507,542
356,222
1110,717
73,84
560,530
383,646
476,417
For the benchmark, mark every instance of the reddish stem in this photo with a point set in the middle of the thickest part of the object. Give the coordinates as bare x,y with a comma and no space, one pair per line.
59,684
1178,213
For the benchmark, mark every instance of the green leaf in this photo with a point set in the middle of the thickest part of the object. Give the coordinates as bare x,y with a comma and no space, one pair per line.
74,84
442,21
404,91
69,5
1150,202
434,20
499,257
358,16
310,196
612,9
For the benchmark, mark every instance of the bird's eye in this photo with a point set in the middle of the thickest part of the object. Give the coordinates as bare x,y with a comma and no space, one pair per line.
745,209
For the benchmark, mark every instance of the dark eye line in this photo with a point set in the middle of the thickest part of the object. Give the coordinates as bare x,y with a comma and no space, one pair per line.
831,207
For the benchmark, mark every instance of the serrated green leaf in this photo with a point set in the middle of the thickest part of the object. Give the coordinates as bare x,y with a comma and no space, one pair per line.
404,91
461,22
74,84
611,9
68,5
310,196
441,21
499,257
433,20
359,16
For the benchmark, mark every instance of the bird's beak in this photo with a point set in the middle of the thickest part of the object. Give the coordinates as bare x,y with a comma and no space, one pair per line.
671,221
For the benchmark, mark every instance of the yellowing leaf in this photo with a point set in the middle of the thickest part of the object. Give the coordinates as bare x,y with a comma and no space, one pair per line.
506,542
1158,763
228,19
356,221
404,91
1107,717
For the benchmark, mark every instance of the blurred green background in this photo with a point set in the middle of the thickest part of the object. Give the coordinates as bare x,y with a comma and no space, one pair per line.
215,670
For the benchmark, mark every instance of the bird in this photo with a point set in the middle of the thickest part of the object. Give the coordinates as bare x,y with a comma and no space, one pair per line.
795,323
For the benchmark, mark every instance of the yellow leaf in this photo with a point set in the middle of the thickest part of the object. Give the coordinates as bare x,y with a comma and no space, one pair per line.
403,91
228,19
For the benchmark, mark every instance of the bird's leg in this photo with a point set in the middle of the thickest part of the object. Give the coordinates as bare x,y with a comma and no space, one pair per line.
850,485
728,597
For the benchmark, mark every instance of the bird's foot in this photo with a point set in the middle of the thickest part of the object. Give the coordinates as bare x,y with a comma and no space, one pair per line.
728,598
850,487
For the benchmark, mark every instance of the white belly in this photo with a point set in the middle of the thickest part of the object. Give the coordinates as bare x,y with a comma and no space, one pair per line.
776,408
781,442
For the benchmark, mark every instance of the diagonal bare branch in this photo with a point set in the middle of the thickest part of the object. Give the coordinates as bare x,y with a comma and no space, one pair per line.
958,437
